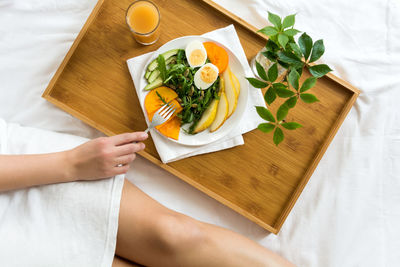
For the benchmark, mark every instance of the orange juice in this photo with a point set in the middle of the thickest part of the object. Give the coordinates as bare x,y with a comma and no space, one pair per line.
143,19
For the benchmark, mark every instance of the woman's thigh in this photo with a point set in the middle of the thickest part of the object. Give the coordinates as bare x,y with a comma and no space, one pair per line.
147,230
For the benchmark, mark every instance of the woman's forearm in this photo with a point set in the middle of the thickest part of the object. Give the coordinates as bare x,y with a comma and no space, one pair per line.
21,171
96,159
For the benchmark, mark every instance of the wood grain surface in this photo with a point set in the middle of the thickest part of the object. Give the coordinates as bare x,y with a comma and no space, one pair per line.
259,180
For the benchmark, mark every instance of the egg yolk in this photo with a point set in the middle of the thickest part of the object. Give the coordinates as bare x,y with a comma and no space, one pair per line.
208,74
197,57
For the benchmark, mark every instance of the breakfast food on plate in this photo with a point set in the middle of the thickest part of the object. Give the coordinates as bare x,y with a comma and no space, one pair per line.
222,109
232,94
205,76
217,55
196,54
157,98
199,81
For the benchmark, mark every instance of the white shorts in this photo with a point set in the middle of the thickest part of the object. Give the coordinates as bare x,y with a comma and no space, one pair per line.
68,224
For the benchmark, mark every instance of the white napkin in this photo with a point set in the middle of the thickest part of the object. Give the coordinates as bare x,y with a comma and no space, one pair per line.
170,151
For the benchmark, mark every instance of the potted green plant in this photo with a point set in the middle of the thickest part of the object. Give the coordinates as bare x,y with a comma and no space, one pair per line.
279,66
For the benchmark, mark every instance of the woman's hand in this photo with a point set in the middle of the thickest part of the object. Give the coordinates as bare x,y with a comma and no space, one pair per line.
105,156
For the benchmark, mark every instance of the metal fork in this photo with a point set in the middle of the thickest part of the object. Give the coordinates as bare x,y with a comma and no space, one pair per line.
162,115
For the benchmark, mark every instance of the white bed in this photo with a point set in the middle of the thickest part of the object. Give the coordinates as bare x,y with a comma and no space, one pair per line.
348,214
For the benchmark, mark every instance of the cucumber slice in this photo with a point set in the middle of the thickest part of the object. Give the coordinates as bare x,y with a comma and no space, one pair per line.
154,75
147,75
153,65
156,83
168,61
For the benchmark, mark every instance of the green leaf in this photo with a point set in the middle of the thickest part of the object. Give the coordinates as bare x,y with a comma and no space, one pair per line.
279,86
305,43
308,84
273,72
296,50
266,127
270,95
282,112
283,39
161,67
317,51
309,98
271,46
319,70
265,114
284,93
278,136
291,125
257,83
270,55
291,102
300,71
269,31
261,72
294,79
283,64
291,32
290,58
288,21
274,19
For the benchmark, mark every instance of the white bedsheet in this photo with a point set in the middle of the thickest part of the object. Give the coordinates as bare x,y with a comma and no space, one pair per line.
348,214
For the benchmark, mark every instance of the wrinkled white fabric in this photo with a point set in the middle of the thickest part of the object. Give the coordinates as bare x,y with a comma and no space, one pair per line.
349,212
67,224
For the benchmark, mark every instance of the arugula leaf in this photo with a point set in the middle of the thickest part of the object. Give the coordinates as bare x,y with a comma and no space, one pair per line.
274,19
283,39
273,72
282,112
319,70
257,83
269,31
161,97
261,71
270,95
291,125
305,43
288,21
308,84
161,67
291,32
294,79
265,113
266,127
317,51
309,98
291,102
290,58
278,136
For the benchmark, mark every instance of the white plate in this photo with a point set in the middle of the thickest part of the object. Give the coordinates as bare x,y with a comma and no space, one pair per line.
205,137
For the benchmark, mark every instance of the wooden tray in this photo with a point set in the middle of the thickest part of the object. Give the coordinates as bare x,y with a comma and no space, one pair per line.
259,180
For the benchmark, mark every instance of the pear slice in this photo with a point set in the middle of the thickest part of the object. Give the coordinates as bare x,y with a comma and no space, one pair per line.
208,117
230,92
222,113
235,82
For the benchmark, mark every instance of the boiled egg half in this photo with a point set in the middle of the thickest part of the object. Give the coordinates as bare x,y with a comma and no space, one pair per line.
206,76
196,54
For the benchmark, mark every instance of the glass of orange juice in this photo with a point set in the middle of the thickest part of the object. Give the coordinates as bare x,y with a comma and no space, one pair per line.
143,19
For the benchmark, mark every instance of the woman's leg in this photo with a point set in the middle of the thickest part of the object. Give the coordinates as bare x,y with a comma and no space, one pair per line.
120,262
152,235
